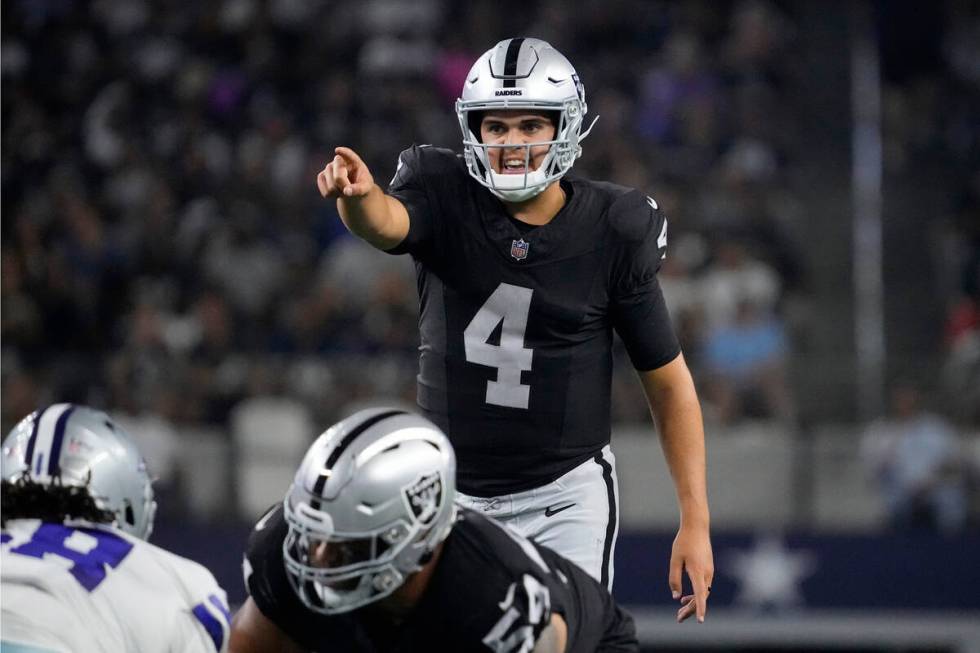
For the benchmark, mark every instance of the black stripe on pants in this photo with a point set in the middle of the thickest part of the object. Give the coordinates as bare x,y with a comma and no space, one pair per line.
611,524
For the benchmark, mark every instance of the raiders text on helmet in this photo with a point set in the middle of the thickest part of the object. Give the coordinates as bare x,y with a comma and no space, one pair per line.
528,74
371,500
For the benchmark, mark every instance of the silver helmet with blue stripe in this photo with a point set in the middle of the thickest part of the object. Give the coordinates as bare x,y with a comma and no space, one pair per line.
370,503
525,74
72,445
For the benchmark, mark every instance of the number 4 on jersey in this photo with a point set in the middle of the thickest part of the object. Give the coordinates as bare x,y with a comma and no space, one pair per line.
511,305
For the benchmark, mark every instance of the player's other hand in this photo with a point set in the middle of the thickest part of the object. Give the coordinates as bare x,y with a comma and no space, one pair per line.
346,176
691,553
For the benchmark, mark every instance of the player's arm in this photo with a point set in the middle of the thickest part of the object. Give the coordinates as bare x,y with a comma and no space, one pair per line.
554,637
366,210
253,632
674,404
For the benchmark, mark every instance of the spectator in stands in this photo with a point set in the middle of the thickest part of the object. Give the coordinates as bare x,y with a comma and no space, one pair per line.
913,457
745,365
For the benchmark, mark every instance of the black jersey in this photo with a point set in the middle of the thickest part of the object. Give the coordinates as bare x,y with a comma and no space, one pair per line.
517,327
492,590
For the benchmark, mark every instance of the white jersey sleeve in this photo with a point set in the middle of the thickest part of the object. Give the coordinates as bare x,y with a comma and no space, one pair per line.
95,588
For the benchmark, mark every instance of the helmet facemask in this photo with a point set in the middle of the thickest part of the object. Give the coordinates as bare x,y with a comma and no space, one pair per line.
337,573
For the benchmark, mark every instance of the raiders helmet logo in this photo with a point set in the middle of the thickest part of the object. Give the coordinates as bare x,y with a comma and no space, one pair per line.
424,497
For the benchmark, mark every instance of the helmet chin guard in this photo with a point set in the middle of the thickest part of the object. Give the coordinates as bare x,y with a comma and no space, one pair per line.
523,74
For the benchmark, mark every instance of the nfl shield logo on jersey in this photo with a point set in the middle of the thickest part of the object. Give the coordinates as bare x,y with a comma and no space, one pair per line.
518,249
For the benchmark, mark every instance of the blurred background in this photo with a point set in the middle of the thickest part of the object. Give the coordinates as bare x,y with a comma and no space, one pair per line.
166,257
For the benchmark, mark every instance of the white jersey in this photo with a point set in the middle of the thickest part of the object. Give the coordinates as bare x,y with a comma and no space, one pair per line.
95,588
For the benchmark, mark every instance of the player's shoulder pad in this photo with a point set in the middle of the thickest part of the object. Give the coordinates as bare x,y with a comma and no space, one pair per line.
427,160
190,573
270,526
633,215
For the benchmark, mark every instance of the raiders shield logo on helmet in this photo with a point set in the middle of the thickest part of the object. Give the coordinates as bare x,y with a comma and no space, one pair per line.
424,497
518,249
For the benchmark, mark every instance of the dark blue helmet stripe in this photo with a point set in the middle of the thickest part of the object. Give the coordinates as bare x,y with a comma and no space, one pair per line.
29,454
54,467
510,62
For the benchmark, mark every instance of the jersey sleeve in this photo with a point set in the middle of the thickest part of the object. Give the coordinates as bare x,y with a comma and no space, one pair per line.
408,186
639,312
524,612
502,592
210,619
208,627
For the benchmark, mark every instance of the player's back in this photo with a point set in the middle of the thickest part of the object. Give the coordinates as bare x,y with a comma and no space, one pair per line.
94,588
487,559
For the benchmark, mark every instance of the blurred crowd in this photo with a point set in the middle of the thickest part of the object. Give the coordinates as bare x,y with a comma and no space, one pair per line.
166,254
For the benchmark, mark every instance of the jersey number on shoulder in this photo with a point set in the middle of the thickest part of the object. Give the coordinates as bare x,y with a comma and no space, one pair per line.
89,549
527,611
509,304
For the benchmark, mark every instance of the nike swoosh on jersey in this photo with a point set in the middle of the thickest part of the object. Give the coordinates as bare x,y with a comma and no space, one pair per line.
552,510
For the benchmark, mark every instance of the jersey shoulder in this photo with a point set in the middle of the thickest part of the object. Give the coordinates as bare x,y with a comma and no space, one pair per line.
192,575
630,214
263,553
427,161
502,591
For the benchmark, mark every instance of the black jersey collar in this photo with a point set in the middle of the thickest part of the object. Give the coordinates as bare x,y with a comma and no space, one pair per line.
543,243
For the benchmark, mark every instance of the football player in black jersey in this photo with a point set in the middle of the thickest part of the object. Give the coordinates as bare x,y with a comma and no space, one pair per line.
524,272
368,552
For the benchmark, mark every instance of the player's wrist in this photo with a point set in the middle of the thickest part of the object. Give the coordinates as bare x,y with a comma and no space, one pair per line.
695,519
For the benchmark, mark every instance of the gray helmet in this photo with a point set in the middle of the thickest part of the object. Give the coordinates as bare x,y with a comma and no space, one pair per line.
371,501
79,446
523,73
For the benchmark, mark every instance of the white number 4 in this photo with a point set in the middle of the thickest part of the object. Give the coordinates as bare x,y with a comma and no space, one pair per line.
510,304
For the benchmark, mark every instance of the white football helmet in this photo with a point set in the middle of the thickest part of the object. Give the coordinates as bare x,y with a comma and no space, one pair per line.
74,445
523,73
371,501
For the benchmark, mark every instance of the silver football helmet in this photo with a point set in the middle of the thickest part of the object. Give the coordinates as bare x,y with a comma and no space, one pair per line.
371,501
75,445
523,73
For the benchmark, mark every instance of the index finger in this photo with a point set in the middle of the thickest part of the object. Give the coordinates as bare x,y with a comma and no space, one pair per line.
348,155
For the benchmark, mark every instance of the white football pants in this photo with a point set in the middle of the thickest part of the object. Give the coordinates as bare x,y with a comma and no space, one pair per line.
576,515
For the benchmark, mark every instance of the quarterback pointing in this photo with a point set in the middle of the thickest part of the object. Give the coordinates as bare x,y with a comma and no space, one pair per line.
524,273
78,573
